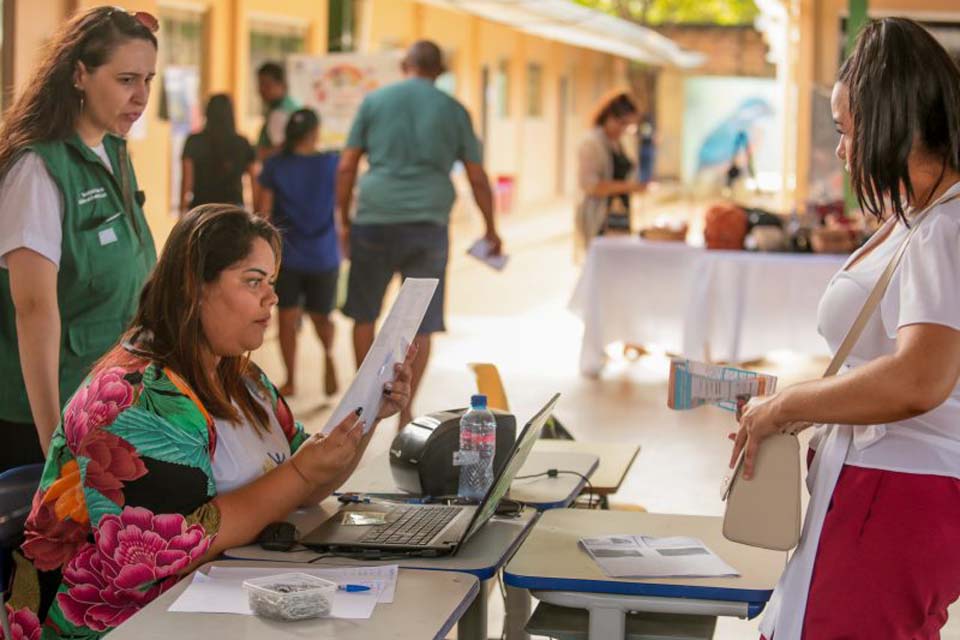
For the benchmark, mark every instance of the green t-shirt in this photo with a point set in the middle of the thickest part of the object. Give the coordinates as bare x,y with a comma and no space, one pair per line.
412,134
275,122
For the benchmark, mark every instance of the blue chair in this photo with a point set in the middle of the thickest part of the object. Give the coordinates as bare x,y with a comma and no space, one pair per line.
17,487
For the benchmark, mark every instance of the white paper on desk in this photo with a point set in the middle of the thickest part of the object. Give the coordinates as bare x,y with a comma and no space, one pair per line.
481,251
390,346
381,579
221,590
630,556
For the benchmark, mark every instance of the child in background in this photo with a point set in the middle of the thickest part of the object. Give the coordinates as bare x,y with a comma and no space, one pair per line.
298,194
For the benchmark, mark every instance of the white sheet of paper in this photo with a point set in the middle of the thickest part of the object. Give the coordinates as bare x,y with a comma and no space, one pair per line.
390,347
480,250
632,556
221,590
381,578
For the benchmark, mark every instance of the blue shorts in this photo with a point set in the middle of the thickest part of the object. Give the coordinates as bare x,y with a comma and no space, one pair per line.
377,251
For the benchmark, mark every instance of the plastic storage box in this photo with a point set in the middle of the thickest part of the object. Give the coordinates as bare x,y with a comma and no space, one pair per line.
290,596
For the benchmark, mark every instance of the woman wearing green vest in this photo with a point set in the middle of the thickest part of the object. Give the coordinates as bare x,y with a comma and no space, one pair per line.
75,248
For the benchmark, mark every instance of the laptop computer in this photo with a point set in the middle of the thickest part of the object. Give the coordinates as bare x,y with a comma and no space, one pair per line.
424,529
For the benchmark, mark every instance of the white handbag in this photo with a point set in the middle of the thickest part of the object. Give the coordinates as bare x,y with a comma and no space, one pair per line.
765,510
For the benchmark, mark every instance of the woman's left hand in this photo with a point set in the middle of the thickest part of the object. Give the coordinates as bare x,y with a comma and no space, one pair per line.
759,418
396,394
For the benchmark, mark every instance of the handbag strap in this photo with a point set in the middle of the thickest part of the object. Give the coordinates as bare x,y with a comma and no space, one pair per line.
870,305
873,300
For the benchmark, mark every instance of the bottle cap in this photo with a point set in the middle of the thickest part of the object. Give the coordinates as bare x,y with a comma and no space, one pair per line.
478,401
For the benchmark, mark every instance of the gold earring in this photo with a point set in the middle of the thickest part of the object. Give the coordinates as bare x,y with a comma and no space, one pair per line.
80,91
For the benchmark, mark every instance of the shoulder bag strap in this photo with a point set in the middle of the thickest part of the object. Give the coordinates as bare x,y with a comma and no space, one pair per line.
873,300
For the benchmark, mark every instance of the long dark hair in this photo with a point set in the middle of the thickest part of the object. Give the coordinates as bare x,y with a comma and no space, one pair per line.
167,329
49,106
220,124
220,130
300,124
616,104
904,87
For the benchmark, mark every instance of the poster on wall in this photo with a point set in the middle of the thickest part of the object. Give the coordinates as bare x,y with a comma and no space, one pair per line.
720,113
181,92
335,84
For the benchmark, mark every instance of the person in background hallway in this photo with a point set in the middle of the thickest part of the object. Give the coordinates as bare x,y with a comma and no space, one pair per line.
278,105
411,133
878,557
75,247
215,159
178,447
604,169
298,192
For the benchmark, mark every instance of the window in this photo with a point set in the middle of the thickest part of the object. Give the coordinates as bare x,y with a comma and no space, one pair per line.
271,42
534,90
502,89
342,25
182,34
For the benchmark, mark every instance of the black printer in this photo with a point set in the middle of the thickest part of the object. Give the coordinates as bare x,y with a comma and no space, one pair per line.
421,456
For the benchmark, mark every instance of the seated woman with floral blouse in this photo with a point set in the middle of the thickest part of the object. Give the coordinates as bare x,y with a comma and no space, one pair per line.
177,447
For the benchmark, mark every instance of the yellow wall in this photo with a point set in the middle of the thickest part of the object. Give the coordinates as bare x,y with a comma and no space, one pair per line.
814,63
526,148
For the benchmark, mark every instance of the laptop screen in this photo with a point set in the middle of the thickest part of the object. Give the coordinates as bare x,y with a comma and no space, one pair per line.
501,484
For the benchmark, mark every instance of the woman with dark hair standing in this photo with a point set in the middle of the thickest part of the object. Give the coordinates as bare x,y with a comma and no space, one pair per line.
604,167
178,447
879,557
299,194
215,160
75,248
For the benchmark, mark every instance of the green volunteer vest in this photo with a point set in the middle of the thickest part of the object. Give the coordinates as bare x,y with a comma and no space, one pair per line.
106,255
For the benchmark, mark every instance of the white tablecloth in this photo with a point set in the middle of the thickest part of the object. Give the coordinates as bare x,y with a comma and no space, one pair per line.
720,305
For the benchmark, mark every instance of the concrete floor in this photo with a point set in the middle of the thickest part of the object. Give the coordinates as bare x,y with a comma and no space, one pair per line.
518,319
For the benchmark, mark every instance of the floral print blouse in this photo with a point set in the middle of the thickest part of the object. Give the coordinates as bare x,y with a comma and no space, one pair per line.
126,501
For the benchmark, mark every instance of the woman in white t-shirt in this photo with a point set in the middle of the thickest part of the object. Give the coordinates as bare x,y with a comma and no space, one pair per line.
879,555
75,248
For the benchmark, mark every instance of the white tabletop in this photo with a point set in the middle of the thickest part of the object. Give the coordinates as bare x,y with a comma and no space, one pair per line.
616,458
724,305
449,595
542,493
551,559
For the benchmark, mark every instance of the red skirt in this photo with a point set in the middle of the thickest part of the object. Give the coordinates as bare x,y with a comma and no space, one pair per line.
888,563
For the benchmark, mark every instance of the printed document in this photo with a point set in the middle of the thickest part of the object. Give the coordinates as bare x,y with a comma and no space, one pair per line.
693,384
390,347
630,556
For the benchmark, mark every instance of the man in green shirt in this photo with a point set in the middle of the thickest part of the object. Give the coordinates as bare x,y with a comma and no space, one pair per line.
272,86
412,133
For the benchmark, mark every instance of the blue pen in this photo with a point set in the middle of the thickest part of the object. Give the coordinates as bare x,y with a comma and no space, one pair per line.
353,588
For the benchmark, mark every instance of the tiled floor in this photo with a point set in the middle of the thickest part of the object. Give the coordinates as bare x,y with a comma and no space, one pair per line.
518,320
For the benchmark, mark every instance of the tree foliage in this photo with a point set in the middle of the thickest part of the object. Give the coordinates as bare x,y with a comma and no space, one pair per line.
654,12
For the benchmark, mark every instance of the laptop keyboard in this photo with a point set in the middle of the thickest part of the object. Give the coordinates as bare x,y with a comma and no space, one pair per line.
412,526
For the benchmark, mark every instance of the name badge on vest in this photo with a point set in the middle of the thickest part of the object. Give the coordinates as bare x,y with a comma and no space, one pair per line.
107,236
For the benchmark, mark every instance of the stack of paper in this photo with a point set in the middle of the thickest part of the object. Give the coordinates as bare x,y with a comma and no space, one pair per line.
629,556
693,384
220,590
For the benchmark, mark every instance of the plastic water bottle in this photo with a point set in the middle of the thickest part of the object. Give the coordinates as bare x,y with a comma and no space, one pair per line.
478,441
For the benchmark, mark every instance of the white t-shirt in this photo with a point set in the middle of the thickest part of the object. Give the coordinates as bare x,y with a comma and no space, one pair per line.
32,207
924,289
244,453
